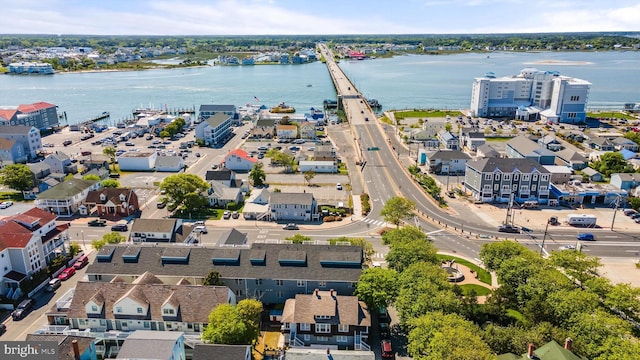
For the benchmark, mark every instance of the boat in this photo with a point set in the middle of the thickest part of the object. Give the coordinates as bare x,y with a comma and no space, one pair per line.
309,85
283,108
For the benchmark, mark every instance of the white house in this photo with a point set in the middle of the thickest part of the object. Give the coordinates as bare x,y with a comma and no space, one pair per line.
239,160
169,163
137,161
60,162
214,130
318,166
286,131
154,230
292,206
67,196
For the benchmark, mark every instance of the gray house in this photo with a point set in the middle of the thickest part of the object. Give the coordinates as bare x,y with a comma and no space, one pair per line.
427,137
602,144
495,179
27,136
447,162
621,143
12,152
214,130
486,151
521,147
572,159
625,181
471,138
292,207
60,162
550,142
593,174
271,273
448,140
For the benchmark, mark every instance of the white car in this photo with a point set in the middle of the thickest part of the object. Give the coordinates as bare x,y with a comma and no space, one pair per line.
200,229
338,186
6,204
567,247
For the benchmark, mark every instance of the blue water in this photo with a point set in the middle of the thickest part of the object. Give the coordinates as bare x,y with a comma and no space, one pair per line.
418,81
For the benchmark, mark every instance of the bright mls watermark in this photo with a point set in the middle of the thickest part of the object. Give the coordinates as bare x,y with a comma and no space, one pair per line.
31,350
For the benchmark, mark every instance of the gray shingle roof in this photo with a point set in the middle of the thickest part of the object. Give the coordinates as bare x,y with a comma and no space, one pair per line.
65,343
219,175
217,108
15,129
67,189
149,345
291,198
153,225
450,155
217,119
232,237
526,147
506,165
215,351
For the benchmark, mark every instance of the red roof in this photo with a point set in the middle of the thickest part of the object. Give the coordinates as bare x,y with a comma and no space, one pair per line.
7,114
25,108
14,235
241,154
35,213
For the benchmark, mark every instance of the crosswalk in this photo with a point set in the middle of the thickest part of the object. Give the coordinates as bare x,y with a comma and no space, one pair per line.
374,222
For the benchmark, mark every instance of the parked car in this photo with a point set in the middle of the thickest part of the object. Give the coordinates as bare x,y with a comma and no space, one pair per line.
6,204
384,330
567,247
235,215
54,284
509,229
3,328
338,186
97,222
586,237
226,215
386,349
120,227
23,309
290,227
67,142
67,273
200,229
128,143
161,204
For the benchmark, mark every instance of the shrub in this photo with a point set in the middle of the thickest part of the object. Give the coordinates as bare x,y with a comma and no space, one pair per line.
329,218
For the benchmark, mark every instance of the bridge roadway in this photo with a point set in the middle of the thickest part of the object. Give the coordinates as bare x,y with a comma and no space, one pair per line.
384,176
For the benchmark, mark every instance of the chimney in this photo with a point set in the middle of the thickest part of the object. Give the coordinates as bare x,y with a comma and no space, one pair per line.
567,343
76,350
530,351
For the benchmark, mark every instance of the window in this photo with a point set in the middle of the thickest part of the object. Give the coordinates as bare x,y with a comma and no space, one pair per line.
146,324
305,327
544,177
533,187
323,317
341,339
302,283
323,328
496,176
524,188
515,177
515,187
496,187
506,177
139,310
167,311
543,188
279,282
94,308
343,328
487,176
118,309
525,177
239,293
238,281
258,281
322,283
323,338
307,337
534,177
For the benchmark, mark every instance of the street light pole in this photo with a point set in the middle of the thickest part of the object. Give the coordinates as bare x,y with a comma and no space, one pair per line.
83,244
544,237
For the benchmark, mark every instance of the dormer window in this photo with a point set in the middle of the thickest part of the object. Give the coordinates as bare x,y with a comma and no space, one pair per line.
103,197
122,197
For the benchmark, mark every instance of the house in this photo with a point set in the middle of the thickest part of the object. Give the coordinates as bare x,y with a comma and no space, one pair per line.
572,159
308,353
41,115
264,129
521,147
113,201
592,174
269,272
157,345
575,192
221,195
326,318
70,347
232,237
40,170
60,162
215,130
549,351
621,143
27,136
325,152
559,174
627,154
137,161
625,181
287,131
156,230
256,207
169,163
102,173
495,179
12,152
601,144
428,137
216,351
471,139
239,160
550,142
207,111
95,162
318,166
448,140
145,305
486,151
226,177
67,196
447,162
28,243
292,207
307,130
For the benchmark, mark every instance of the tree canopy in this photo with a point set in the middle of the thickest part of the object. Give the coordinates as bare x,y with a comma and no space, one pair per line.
234,325
17,176
185,190
397,209
377,287
257,175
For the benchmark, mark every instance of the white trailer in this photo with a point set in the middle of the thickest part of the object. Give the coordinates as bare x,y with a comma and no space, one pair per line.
582,220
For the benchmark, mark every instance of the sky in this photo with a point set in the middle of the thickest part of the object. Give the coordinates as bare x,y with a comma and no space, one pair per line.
308,17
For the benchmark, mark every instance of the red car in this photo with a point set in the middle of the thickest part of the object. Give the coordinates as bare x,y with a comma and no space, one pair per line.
67,273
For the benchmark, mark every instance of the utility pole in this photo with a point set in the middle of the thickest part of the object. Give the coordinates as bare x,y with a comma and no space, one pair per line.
544,237
615,211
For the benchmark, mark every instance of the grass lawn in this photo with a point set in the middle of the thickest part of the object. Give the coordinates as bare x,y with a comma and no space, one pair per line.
609,114
11,195
400,115
499,139
480,290
483,275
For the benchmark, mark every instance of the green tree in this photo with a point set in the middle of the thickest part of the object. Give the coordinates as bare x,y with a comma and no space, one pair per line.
108,238
612,162
577,265
397,209
17,176
405,233
257,176
493,254
250,311
625,298
226,327
213,278
185,190
308,176
406,253
592,331
91,177
377,287
448,127
298,238
110,151
110,183
164,134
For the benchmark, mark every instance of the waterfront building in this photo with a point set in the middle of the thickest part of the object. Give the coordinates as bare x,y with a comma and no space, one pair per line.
206,111
30,68
28,136
215,129
532,94
41,115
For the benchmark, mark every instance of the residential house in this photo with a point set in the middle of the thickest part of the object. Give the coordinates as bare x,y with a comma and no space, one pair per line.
307,130
137,161
95,162
308,353
427,137
549,351
269,272
521,147
65,198
216,351
221,195
471,138
40,170
227,177
325,152
40,115
169,163
256,207
448,140
572,159
593,174
559,174
447,162
601,144
621,143
627,154
550,142
495,179
625,181
232,237
146,305
264,129
156,230
102,173
292,207
326,318
11,152
157,345
59,162
239,160
113,201
207,111
70,347
27,136
287,131
330,167
486,151
215,130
